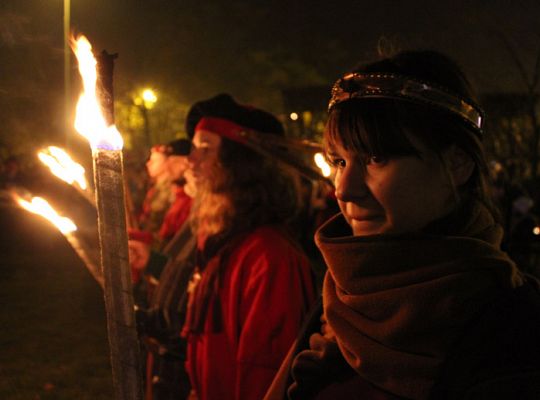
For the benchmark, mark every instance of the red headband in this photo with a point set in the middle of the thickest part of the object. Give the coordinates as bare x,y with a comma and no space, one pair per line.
222,127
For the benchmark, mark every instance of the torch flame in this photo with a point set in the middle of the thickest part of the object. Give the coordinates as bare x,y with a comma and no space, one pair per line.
322,164
41,207
63,166
89,120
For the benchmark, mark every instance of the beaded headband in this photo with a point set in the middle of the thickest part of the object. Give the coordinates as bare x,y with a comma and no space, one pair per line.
393,86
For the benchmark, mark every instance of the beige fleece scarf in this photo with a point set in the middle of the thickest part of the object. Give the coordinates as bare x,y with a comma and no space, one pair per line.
396,304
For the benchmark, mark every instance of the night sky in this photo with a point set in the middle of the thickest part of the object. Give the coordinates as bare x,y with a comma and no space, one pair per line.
194,49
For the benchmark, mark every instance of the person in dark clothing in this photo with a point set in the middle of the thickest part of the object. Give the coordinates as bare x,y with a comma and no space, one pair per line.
160,324
419,302
143,244
160,309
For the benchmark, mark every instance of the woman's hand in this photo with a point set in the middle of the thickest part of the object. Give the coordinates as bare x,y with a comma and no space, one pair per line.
139,254
326,330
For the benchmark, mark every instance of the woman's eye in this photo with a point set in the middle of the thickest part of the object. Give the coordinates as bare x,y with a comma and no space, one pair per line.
376,160
336,162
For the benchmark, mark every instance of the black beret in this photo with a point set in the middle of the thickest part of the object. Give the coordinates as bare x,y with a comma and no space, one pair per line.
225,107
178,147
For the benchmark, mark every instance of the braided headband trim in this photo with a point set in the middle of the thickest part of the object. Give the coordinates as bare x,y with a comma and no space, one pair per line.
356,85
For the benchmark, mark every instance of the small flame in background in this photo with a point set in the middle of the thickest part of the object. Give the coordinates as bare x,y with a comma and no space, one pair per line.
41,207
63,166
536,230
89,120
322,164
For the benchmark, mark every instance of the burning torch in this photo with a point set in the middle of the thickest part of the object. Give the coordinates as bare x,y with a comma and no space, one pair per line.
40,206
64,167
94,121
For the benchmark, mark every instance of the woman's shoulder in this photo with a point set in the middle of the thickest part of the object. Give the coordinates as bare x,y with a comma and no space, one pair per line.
269,237
271,244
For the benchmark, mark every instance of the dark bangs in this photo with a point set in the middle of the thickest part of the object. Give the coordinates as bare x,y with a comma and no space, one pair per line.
369,128
378,127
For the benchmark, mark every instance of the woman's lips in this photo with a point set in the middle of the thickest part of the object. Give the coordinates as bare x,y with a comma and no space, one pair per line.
366,217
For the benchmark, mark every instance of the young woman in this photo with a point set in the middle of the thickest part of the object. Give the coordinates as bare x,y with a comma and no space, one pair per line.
157,198
253,285
419,301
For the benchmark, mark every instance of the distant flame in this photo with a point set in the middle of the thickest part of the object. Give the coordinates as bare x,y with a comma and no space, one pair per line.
41,207
63,166
89,120
536,230
322,164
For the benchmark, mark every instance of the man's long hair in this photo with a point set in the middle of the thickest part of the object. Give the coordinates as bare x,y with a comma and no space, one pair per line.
245,190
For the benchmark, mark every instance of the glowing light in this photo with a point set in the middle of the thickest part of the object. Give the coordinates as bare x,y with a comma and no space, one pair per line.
536,230
63,166
307,117
41,207
149,97
89,120
293,116
322,164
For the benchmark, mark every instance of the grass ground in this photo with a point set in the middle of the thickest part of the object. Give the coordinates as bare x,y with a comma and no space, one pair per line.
53,337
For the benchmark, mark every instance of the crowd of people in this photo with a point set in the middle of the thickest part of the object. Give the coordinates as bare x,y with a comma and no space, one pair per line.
422,295
232,285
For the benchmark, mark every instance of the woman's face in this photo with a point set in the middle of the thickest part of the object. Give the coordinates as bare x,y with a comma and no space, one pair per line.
177,166
156,164
204,155
398,195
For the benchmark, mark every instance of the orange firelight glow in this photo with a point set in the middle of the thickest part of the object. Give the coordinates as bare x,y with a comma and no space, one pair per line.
41,207
63,166
89,120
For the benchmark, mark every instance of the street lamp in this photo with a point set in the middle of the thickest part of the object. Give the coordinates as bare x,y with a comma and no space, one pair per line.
146,101
149,98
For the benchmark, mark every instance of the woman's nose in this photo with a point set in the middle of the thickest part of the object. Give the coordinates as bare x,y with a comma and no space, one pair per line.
350,183
192,157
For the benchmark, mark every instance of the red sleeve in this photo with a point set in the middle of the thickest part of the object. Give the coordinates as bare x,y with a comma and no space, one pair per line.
175,217
277,291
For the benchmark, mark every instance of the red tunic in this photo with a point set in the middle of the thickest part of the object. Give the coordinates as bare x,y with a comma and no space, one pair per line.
266,290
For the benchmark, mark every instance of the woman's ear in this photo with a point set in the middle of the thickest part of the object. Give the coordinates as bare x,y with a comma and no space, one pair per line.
459,163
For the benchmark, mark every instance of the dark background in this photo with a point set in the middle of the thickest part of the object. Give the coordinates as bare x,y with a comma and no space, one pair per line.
52,338
254,49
